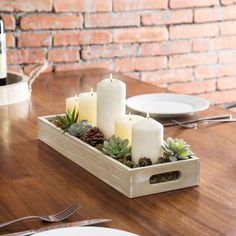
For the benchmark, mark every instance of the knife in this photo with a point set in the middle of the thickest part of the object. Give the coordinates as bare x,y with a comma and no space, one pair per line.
74,224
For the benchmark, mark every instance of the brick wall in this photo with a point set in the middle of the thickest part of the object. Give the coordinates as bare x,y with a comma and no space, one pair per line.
187,45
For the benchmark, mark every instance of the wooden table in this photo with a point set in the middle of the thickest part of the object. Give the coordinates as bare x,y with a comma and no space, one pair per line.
36,180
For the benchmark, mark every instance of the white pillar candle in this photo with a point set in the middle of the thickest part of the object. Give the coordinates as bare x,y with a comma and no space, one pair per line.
88,107
147,138
72,103
111,94
124,124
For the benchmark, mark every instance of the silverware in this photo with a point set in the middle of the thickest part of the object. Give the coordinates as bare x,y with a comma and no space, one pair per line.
49,218
186,126
67,225
194,125
199,120
223,120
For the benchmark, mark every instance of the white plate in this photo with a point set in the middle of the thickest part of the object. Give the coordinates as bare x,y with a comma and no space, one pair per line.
167,104
85,231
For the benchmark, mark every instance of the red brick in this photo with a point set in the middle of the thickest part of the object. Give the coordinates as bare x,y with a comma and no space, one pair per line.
140,35
109,51
226,83
168,76
134,75
227,57
25,5
193,31
194,87
9,21
215,14
140,64
226,70
25,56
226,2
10,40
50,22
63,55
14,69
83,37
213,71
33,39
129,5
82,5
228,27
203,72
81,66
221,97
209,44
101,20
192,3
167,17
165,48
192,59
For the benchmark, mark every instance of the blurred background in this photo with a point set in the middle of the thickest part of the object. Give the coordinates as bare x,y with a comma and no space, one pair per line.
186,46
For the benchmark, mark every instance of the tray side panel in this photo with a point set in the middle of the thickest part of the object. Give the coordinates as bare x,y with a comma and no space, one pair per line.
85,156
190,172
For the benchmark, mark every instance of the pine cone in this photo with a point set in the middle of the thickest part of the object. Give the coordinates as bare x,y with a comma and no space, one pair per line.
144,161
93,136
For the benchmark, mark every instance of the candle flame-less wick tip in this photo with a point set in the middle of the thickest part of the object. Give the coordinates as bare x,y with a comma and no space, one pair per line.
111,77
148,116
91,91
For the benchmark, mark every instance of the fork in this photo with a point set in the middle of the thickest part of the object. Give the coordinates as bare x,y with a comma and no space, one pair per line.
48,218
186,126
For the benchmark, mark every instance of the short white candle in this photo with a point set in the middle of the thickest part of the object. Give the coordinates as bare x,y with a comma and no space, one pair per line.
111,94
88,107
124,124
72,103
147,138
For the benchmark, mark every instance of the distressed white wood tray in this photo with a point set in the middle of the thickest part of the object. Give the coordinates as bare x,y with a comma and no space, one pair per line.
130,182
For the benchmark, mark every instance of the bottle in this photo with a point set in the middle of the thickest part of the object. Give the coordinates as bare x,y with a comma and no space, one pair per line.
3,55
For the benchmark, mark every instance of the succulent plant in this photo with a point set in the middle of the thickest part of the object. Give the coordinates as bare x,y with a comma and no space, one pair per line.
67,120
78,129
117,148
176,149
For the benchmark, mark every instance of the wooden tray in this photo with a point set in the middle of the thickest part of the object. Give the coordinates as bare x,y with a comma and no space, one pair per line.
130,182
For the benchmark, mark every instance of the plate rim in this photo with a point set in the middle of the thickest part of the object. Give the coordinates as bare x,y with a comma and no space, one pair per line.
207,103
94,227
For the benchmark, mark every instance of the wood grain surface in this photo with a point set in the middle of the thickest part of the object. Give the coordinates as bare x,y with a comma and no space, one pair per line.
36,180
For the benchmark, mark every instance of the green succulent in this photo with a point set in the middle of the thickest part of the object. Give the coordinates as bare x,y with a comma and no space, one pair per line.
176,149
68,119
117,148
78,129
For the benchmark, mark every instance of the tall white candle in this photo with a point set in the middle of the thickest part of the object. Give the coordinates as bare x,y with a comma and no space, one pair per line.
147,138
124,124
72,103
111,94
88,107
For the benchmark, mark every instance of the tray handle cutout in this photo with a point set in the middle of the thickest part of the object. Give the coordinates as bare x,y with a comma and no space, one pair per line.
165,177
